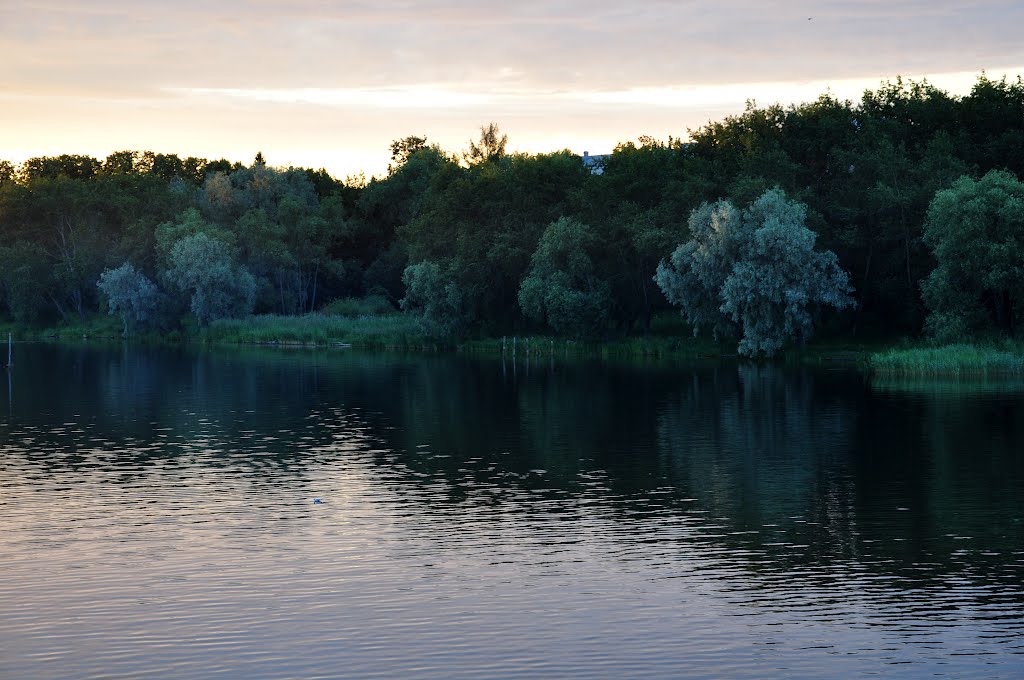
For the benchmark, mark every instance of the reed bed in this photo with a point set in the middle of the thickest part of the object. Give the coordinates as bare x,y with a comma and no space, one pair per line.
958,360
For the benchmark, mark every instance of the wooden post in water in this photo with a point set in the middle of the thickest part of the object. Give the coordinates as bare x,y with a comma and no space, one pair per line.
10,351
515,339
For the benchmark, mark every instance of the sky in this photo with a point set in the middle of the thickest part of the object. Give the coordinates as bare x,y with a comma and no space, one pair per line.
321,83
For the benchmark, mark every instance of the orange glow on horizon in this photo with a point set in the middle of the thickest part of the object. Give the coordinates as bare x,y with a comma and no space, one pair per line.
348,130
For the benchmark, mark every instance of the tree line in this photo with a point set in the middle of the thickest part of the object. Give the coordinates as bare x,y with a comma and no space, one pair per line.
487,242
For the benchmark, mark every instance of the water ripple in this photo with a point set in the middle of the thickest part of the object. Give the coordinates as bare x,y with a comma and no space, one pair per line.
471,526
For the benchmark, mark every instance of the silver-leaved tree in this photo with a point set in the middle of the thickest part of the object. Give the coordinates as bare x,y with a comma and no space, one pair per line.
205,269
753,274
130,295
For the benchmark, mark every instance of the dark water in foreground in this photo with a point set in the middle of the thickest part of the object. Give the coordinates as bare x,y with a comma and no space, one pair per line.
481,519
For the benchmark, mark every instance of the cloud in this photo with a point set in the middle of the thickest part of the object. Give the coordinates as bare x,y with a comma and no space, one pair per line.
119,46
319,76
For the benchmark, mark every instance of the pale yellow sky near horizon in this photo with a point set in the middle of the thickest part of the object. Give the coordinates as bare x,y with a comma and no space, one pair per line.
331,84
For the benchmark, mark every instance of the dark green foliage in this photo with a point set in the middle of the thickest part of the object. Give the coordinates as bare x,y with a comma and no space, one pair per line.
435,298
401,149
69,166
866,172
24,270
7,172
489,148
188,223
563,288
976,231
372,305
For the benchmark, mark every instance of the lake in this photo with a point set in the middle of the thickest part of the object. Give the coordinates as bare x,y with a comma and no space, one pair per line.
172,513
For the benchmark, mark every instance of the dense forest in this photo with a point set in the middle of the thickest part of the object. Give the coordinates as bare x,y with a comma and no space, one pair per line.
485,242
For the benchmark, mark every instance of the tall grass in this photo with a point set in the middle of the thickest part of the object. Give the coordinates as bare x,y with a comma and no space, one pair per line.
387,330
649,346
951,361
94,326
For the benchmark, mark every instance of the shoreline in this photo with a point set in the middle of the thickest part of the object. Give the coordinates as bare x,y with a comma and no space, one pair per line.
396,332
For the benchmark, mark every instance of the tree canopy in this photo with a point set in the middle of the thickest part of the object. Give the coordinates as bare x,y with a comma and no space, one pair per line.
754,274
477,221
562,287
976,231
130,295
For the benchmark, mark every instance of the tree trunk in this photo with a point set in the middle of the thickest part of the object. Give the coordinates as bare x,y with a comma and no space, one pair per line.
76,300
1000,309
1007,301
906,250
280,289
863,289
316,275
59,306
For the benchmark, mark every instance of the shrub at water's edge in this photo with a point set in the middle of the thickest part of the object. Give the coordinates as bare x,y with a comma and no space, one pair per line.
954,360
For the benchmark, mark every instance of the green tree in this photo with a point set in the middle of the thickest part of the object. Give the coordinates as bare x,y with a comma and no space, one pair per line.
754,274
204,268
66,165
130,295
7,172
562,288
189,223
638,208
992,120
263,251
122,163
73,220
435,298
24,275
308,240
976,232
401,149
490,146
485,222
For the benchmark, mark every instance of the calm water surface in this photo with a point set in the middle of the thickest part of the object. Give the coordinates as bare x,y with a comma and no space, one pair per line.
158,518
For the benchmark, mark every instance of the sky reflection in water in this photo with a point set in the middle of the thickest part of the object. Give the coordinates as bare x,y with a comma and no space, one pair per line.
483,518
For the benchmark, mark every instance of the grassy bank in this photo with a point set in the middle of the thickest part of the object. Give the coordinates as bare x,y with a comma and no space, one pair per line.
402,331
377,331
967,360
380,331
97,326
357,324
